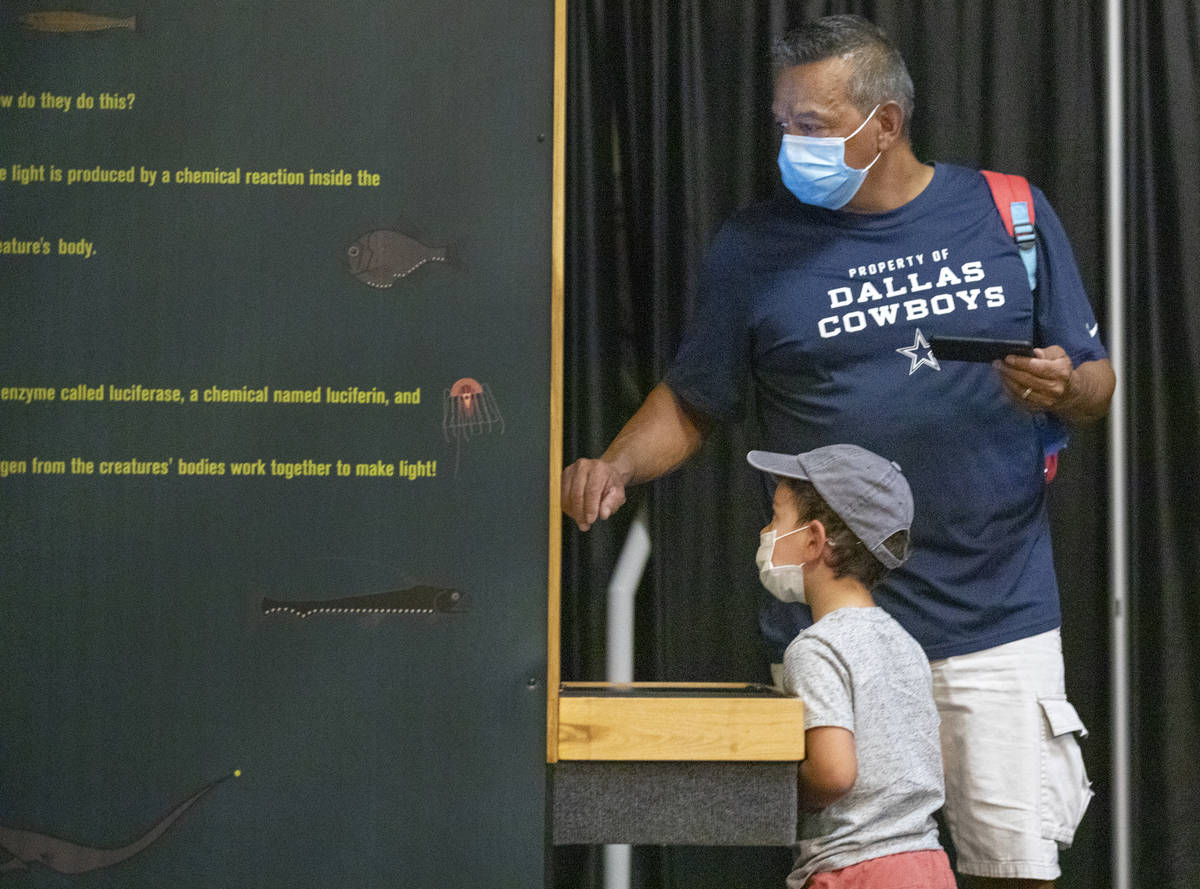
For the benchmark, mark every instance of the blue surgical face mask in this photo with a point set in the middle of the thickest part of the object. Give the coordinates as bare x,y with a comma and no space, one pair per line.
814,168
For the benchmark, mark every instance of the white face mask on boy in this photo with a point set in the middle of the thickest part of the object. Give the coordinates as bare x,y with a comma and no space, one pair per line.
784,582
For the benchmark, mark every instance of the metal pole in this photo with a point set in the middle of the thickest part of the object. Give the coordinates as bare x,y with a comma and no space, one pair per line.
622,591
1118,463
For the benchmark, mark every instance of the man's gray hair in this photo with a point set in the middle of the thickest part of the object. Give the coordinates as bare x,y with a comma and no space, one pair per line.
878,75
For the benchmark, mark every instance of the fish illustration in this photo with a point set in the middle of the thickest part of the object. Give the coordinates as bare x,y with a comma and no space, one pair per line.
414,600
26,847
72,22
381,256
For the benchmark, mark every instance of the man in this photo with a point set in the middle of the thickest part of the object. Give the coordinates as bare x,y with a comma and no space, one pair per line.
823,301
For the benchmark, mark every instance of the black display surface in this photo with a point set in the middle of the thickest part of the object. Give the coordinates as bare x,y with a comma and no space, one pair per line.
274,425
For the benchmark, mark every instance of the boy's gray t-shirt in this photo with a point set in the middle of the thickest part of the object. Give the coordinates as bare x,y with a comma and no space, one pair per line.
858,669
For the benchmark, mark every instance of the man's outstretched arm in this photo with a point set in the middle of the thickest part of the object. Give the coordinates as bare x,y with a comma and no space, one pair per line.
661,435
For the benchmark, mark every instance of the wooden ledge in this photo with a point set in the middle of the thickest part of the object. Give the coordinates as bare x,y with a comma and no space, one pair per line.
679,722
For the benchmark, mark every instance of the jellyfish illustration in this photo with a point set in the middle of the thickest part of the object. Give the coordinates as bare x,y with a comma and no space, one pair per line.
469,408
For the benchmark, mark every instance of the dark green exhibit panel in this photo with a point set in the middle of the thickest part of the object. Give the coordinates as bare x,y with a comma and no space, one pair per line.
274,428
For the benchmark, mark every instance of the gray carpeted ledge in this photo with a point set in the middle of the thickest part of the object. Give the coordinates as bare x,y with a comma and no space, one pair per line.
674,803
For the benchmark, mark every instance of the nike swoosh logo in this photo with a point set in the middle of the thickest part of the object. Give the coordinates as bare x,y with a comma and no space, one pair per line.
1094,329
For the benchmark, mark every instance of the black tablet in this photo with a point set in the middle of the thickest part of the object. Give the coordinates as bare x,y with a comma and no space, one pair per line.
969,348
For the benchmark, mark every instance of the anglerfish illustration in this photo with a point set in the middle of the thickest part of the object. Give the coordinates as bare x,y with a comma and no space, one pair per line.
26,847
382,256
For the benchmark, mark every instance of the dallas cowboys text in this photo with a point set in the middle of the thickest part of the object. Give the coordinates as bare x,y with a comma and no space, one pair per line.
937,289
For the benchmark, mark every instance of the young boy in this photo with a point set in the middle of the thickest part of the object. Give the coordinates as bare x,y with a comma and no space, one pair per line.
872,775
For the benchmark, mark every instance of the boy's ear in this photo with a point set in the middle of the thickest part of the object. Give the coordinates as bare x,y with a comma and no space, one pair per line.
817,540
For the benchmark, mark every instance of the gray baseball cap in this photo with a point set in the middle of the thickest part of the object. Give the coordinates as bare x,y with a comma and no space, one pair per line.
868,492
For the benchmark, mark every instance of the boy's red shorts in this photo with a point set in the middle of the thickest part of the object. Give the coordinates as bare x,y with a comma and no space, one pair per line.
928,869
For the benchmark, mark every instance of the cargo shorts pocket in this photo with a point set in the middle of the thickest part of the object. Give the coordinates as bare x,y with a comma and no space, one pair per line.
1066,789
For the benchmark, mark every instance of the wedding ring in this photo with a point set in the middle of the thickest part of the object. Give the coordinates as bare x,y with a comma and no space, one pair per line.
1025,394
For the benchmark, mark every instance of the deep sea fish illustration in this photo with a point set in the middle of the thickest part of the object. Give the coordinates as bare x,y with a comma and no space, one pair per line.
26,847
382,256
73,22
414,600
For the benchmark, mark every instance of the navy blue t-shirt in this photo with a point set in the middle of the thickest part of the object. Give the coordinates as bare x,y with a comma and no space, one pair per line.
819,321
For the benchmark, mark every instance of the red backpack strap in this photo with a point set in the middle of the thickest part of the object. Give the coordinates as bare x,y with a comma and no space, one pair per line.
1014,200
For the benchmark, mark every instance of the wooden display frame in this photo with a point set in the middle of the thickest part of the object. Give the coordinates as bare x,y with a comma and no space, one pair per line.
558,229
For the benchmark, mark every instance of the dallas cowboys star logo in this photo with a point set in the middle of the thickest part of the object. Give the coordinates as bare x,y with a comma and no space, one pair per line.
913,353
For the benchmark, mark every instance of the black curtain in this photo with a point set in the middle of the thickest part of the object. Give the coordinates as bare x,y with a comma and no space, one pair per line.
669,131
1163,328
